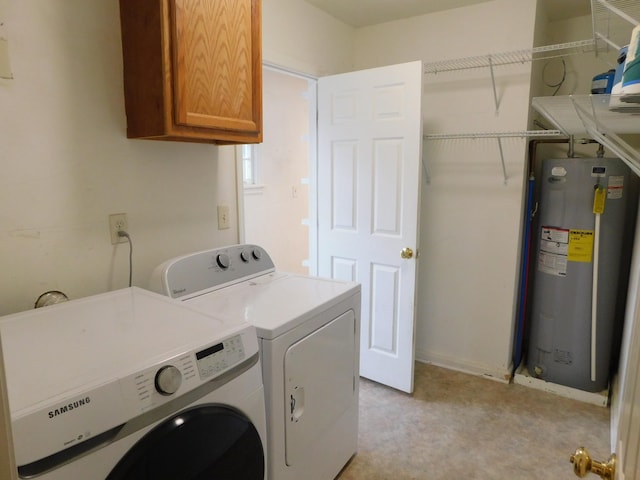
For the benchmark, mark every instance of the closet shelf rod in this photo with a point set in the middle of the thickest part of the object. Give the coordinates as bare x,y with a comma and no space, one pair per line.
524,134
495,135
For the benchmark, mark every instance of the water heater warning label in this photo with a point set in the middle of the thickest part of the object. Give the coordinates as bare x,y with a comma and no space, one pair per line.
558,246
616,187
554,251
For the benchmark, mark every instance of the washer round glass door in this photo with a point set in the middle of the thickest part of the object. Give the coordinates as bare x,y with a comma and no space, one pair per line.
207,442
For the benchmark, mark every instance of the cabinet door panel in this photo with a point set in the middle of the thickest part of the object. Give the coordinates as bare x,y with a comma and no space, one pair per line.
193,69
213,65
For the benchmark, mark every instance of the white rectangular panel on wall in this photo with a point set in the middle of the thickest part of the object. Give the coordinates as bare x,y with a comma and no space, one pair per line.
387,186
344,191
383,325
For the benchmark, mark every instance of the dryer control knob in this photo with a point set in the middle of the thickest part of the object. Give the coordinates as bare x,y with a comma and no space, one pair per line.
168,380
223,260
257,254
244,255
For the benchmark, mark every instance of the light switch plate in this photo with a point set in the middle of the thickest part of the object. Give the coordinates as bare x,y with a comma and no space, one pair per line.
223,217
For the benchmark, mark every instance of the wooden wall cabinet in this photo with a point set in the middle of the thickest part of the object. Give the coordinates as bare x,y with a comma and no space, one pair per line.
193,69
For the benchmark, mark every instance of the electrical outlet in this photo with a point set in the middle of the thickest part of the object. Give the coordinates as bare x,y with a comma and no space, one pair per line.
117,222
223,217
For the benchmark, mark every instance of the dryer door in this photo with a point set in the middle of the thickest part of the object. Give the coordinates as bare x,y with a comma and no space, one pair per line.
320,375
206,442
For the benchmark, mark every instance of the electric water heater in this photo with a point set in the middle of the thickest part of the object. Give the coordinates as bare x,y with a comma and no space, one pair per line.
586,215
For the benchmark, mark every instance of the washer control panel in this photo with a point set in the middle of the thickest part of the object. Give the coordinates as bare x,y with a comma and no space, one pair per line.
82,414
193,274
219,357
185,372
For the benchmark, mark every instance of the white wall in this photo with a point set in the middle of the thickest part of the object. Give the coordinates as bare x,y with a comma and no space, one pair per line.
303,38
470,221
275,210
581,68
67,163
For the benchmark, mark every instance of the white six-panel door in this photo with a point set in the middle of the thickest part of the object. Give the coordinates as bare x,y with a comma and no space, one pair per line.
369,171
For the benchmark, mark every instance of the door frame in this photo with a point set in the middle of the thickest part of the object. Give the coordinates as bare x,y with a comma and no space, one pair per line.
313,167
625,397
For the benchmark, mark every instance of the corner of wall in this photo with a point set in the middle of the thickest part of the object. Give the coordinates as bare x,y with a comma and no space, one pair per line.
300,37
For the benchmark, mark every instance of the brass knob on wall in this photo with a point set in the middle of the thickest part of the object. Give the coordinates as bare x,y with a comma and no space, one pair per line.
406,252
583,464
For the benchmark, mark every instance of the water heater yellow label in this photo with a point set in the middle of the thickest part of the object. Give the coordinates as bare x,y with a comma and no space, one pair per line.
580,245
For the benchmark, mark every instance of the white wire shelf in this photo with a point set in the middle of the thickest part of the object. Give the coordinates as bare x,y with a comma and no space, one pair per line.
510,58
591,115
521,134
579,114
613,21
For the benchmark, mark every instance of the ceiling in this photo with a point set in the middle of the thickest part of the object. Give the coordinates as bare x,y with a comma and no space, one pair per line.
360,13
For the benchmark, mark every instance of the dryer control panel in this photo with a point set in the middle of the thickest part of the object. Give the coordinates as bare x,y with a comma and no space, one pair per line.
197,273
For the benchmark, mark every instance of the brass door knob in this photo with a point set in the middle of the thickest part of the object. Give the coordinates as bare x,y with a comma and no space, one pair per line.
583,464
406,252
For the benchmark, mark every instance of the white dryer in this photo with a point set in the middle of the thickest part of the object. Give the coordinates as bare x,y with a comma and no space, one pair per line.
132,385
308,329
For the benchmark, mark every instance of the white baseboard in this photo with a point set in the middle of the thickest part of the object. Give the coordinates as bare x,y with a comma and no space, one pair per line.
492,373
522,377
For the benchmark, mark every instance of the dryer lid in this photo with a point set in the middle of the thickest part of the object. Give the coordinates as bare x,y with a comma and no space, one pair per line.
277,302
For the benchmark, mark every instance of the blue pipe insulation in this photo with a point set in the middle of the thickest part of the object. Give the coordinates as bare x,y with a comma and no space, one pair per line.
524,273
526,247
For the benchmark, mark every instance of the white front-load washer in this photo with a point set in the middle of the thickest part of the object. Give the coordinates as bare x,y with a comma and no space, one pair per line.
132,385
308,329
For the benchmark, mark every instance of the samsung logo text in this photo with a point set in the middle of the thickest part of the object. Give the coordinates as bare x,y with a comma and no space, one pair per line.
69,406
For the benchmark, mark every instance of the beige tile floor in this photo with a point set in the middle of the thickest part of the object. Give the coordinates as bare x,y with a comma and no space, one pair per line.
459,426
